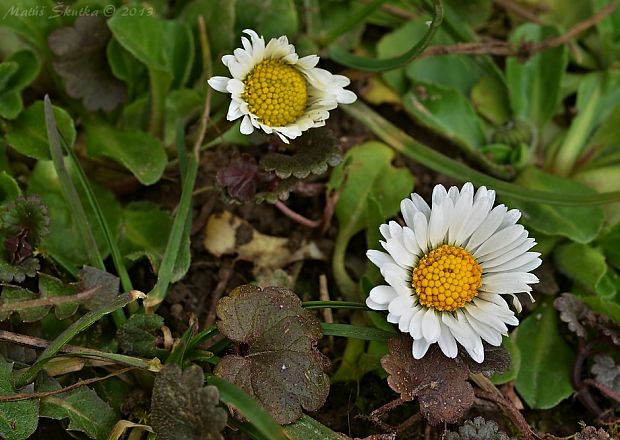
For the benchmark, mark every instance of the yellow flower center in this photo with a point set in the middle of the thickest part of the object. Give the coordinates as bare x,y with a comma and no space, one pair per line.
275,92
446,278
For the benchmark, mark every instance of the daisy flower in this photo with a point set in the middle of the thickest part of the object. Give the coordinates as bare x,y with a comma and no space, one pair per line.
274,90
448,268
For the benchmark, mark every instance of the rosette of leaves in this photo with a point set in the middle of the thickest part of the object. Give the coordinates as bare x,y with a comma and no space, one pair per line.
277,360
182,408
274,175
23,223
438,382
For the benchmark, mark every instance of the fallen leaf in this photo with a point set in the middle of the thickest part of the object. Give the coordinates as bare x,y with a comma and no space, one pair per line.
496,361
227,234
591,433
572,311
607,372
278,361
438,382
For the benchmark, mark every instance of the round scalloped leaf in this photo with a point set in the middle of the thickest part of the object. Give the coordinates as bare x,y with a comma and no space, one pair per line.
25,212
314,153
18,272
278,361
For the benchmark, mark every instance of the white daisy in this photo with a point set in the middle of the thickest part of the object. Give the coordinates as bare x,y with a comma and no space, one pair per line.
274,90
448,267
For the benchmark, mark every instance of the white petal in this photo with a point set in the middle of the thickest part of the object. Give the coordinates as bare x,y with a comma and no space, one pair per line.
410,242
462,211
219,83
421,205
515,262
419,348
438,223
400,305
408,209
431,330
510,218
382,295
246,125
379,258
405,320
235,87
446,341
401,255
499,240
375,306
420,229
346,97
439,195
479,212
520,241
415,326
487,228
489,334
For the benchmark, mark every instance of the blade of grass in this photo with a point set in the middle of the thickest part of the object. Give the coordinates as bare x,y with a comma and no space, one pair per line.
23,378
356,332
117,258
334,305
307,428
405,144
232,395
68,188
381,65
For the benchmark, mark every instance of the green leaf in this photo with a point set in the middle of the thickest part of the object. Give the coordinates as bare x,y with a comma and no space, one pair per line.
602,306
86,411
9,188
446,111
610,242
162,45
368,172
19,419
182,408
12,296
534,85
32,20
380,65
270,18
282,367
585,265
141,153
28,69
489,97
580,224
219,16
308,428
137,335
19,70
547,360
63,242
144,232
28,134
50,287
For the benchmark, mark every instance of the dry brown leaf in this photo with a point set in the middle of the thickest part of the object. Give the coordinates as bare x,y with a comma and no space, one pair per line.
227,234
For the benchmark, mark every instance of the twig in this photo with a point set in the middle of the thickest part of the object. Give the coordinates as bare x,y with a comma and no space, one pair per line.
206,60
521,50
297,217
44,302
80,383
509,409
603,389
375,417
518,10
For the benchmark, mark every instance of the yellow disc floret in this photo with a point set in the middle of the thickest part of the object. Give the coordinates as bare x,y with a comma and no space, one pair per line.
275,92
446,278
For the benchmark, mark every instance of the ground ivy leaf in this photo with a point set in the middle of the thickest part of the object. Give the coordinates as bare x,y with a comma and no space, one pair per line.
51,287
572,311
80,60
439,383
279,363
547,360
14,294
183,409
313,153
137,335
478,429
86,411
607,372
18,419
496,361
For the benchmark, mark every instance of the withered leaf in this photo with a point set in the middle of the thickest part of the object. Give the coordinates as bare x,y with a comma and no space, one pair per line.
105,284
240,178
478,429
183,409
313,153
591,433
278,361
496,361
607,372
80,60
439,383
